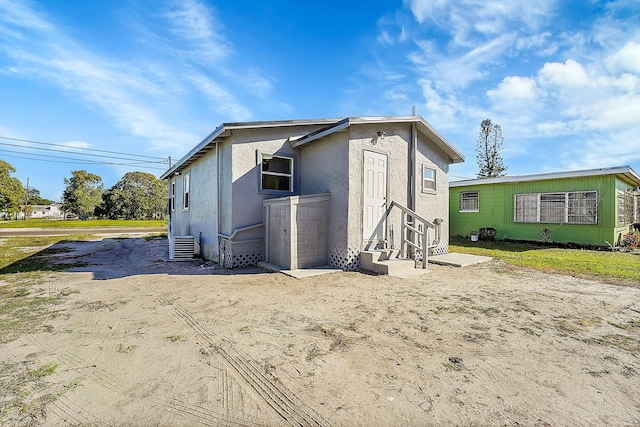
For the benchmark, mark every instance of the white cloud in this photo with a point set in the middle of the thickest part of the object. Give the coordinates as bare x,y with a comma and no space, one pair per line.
147,98
450,72
514,89
463,18
221,100
541,44
194,24
439,109
626,59
568,74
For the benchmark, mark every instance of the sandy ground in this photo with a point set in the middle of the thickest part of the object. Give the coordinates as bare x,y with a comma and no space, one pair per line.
140,341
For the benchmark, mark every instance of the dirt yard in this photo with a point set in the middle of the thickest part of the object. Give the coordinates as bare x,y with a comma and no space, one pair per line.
140,341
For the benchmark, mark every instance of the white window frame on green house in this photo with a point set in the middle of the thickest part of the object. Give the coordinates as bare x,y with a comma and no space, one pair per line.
571,207
270,177
469,201
620,208
428,179
186,189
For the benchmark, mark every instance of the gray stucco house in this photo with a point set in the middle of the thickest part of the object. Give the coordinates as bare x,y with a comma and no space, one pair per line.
306,193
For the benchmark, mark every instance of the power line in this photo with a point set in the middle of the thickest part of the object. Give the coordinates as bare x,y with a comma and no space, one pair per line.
76,148
79,161
79,154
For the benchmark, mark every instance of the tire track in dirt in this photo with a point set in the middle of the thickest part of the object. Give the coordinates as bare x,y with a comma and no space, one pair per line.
82,366
199,414
71,413
281,400
194,413
277,397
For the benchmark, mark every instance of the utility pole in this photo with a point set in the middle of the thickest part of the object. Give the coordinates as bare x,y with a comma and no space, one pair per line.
26,200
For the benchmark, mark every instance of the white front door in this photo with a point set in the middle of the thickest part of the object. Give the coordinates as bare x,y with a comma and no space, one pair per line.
375,196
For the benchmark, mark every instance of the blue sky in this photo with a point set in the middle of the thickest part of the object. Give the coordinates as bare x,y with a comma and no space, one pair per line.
154,77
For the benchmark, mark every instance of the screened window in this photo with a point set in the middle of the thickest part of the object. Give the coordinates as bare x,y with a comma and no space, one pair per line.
526,208
557,208
276,173
629,208
428,179
626,208
469,201
583,208
186,181
552,208
620,199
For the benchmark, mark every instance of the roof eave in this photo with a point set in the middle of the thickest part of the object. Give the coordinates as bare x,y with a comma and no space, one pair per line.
187,159
624,171
425,128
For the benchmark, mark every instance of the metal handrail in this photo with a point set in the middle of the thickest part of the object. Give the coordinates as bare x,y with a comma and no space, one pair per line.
421,233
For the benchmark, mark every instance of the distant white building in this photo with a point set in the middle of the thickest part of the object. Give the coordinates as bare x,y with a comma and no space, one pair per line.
53,211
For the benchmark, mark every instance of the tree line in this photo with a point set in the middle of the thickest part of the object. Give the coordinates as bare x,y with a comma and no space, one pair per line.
138,195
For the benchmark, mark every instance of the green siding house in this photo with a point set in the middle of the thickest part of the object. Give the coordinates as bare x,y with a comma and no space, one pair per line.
593,206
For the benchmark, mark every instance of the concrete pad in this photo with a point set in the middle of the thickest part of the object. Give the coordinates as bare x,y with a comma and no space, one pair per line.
300,273
407,274
458,260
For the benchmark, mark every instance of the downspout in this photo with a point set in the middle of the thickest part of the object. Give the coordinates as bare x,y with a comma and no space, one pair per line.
412,176
218,199
412,166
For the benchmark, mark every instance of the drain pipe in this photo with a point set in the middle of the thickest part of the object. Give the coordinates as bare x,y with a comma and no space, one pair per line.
412,167
218,200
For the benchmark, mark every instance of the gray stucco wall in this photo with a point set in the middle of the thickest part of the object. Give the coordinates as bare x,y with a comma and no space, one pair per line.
395,145
245,189
199,220
431,205
324,168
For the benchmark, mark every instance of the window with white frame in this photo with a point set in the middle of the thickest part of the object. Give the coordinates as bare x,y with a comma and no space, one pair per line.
583,208
620,207
552,208
579,207
469,201
525,208
276,173
186,183
626,208
428,179
173,195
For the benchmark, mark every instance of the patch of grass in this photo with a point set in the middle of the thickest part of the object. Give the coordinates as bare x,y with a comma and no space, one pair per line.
618,267
632,345
23,308
90,223
42,371
24,254
340,341
174,338
26,392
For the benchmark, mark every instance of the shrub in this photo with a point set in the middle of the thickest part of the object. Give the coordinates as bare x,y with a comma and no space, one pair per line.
630,241
487,233
545,235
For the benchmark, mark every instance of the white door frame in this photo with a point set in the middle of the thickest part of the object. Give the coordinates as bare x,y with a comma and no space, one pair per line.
375,173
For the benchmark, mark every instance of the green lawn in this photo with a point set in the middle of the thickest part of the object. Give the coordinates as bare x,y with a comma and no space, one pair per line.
618,267
76,223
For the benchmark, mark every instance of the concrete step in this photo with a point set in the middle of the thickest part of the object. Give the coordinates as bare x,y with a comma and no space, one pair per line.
368,258
385,261
394,266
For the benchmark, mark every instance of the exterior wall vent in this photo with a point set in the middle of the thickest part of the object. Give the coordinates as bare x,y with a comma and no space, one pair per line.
181,248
